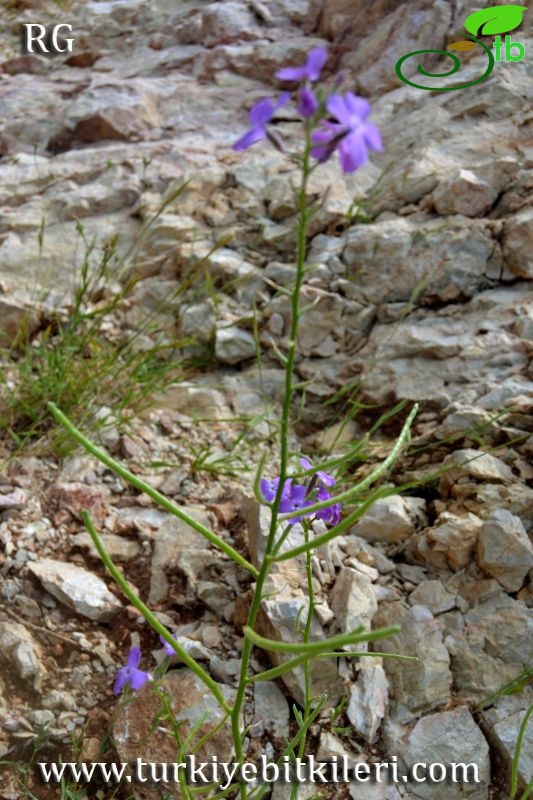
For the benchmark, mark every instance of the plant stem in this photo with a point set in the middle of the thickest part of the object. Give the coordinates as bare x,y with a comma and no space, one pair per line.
303,219
150,617
149,490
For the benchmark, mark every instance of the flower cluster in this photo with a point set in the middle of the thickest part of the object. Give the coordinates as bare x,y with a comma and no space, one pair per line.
345,128
299,496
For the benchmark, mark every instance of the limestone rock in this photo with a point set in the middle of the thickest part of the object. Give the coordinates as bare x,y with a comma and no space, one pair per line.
401,250
451,543
21,654
119,548
233,345
281,612
374,791
517,243
504,549
77,588
464,193
353,601
501,725
448,737
391,519
489,650
476,464
433,595
182,548
421,685
368,698
271,710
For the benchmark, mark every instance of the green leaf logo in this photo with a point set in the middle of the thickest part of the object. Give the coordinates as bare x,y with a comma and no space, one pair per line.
497,19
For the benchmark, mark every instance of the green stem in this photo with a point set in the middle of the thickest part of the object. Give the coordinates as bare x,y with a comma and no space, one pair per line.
160,499
288,666
314,648
284,449
308,661
150,618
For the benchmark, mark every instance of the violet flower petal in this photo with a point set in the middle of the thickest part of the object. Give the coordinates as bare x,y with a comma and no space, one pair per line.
249,138
357,107
137,678
307,102
121,680
134,658
261,113
372,136
309,71
315,61
352,152
337,108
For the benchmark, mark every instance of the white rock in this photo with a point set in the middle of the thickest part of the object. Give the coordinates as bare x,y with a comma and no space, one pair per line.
388,520
77,588
353,601
368,698
233,345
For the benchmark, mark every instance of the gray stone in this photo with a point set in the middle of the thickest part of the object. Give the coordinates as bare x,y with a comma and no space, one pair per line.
504,550
271,710
374,791
517,243
451,543
233,345
368,698
198,321
475,464
282,612
119,547
353,601
22,653
491,649
390,520
432,595
403,248
421,685
77,588
445,738
463,192
331,747
12,499
501,725
178,546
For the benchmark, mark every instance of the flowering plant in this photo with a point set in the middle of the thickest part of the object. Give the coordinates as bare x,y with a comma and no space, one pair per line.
331,122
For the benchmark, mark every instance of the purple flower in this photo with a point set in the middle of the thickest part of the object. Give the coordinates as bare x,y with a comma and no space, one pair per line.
307,102
350,133
296,499
169,650
330,515
311,69
260,115
269,488
324,477
130,674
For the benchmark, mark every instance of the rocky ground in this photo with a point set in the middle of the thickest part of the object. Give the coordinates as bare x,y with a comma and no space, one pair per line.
422,296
